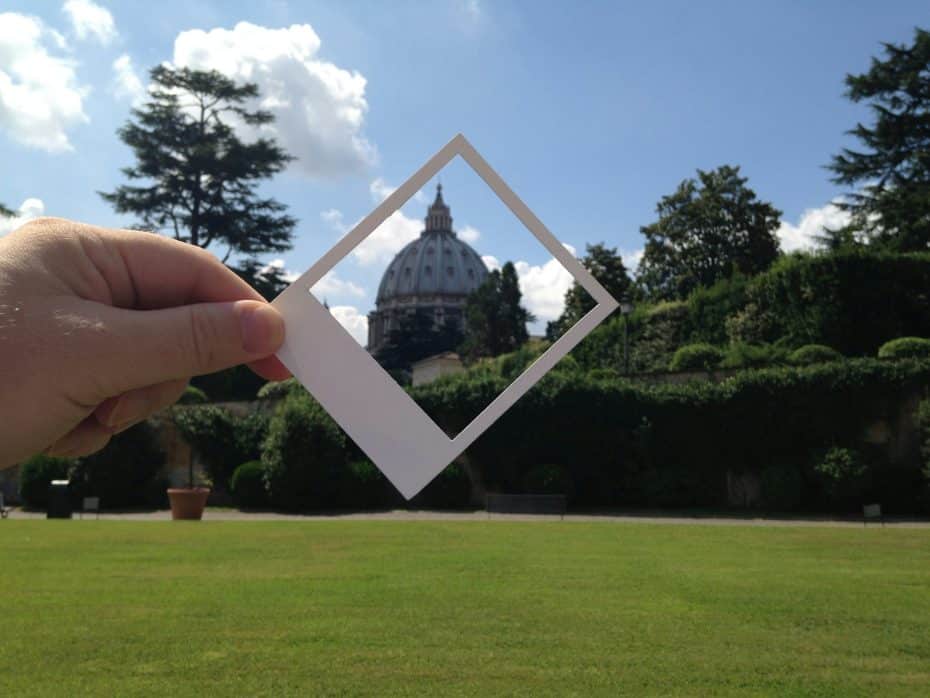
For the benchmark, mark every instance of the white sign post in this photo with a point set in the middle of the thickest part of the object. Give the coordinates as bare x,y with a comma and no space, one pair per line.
385,422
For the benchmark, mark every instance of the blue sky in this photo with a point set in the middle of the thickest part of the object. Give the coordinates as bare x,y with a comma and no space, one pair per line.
590,111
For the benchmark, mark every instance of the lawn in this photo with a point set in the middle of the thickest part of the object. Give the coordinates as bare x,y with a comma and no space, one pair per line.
461,608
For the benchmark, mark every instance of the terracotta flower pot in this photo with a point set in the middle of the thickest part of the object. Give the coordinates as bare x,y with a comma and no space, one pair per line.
188,504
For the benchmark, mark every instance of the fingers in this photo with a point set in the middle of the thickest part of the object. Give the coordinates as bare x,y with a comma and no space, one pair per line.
120,413
87,437
140,349
270,368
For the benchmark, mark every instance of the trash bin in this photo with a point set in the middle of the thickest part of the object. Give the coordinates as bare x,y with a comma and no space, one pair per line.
59,499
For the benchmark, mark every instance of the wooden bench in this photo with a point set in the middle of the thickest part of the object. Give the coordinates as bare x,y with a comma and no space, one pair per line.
526,504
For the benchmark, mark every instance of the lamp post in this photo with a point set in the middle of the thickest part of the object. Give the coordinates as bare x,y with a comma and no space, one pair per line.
625,309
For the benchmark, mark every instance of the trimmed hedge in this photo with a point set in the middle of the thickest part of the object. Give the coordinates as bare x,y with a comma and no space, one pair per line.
35,476
247,485
905,348
696,357
811,354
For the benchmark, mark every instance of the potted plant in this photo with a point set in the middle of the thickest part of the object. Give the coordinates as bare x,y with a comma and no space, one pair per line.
187,503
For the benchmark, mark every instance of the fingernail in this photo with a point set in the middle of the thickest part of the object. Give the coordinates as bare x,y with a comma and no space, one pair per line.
262,327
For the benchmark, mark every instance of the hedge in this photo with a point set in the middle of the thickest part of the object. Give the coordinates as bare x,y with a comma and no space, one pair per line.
905,348
35,476
247,485
696,357
813,354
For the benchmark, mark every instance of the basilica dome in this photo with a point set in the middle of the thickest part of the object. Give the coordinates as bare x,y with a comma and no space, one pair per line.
434,273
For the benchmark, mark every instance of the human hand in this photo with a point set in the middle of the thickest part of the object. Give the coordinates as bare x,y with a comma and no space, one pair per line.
100,328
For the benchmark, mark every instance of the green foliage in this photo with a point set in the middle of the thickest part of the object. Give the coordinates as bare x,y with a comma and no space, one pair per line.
305,456
451,489
782,488
199,180
853,301
6,212
193,396
813,354
710,307
278,390
417,337
741,355
923,424
247,485
844,475
125,473
221,439
495,320
36,474
236,383
890,174
696,357
905,348
547,479
707,230
606,265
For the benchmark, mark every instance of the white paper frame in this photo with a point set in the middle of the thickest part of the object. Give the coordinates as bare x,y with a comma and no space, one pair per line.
385,422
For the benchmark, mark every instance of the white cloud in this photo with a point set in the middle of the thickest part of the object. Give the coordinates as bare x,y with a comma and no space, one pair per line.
279,265
331,286
544,287
126,82
632,259
380,190
491,262
319,107
813,221
333,216
30,209
388,239
90,21
355,323
469,234
40,98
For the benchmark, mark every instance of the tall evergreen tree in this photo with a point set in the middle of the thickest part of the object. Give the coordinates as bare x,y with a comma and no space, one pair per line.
417,337
606,265
891,172
707,229
495,320
198,178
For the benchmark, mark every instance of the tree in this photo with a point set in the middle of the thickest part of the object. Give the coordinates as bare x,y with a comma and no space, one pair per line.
707,229
891,203
495,321
267,279
5,212
606,265
416,337
199,178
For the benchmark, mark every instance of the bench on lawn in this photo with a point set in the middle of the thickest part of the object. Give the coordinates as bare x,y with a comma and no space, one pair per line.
526,504
872,512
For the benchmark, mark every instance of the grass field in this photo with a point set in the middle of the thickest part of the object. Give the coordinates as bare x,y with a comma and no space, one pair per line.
461,608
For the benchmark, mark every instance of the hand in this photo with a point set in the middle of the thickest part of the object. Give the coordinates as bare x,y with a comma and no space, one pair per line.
101,328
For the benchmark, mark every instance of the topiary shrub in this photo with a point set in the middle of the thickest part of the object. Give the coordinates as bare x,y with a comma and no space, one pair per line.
844,475
905,348
742,355
247,485
305,456
811,354
278,390
696,357
124,473
781,488
36,474
193,396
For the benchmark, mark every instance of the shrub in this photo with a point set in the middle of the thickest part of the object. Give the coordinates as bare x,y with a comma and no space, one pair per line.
813,354
125,473
193,396
305,456
36,474
845,477
247,485
547,479
781,488
365,487
923,425
753,356
451,489
696,357
221,439
278,390
905,348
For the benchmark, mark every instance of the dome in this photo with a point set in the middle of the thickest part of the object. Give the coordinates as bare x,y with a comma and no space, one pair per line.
438,263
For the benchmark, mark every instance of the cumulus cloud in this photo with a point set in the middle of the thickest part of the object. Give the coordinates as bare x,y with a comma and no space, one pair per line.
632,259
90,21
812,223
333,216
279,265
40,98
388,239
380,190
30,209
319,107
543,285
355,323
126,81
469,234
331,286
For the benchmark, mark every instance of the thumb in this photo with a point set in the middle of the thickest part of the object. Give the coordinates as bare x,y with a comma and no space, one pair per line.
154,346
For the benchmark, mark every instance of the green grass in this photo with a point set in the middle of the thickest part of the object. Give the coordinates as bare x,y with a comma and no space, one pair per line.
447,608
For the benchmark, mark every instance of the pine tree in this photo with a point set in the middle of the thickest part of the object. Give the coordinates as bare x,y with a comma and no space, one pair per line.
495,320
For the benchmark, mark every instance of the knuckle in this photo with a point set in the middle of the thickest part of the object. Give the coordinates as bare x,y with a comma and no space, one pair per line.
203,337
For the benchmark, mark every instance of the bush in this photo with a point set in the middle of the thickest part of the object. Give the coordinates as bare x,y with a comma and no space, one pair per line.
193,396
451,489
365,487
247,485
811,354
36,474
753,356
547,479
221,439
905,348
696,357
305,456
125,473
781,488
845,477
278,390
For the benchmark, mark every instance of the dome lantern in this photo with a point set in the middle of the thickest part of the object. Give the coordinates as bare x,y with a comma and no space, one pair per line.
438,217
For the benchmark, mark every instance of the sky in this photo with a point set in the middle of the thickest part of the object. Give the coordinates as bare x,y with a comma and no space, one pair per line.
590,111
